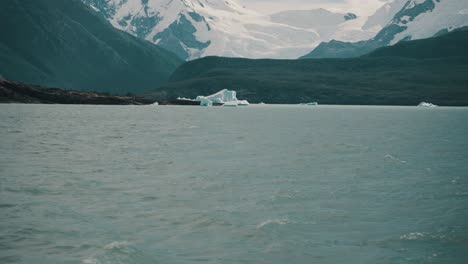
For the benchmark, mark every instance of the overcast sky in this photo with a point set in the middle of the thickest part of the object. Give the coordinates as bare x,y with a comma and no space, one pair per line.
360,7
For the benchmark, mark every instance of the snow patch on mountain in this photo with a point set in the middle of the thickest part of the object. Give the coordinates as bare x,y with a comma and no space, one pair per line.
383,15
417,19
433,17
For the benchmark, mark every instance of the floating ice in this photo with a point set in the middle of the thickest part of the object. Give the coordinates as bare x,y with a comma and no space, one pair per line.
226,97
243,103
311,103
424,104
223,96
204,101
231,104
184,99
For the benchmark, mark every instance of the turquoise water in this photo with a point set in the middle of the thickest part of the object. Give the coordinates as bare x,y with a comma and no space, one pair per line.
260,184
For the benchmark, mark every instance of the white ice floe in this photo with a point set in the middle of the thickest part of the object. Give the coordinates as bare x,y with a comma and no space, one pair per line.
424,104
226,97
184,99
311,103
243,103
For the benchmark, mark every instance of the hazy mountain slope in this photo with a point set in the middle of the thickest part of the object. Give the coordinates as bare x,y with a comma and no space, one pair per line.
65,44
417,19
197,28
386,77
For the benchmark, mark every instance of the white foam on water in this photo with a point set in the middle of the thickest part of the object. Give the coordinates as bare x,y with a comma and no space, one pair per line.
95,8
391,157
413,236
455,180
90,261
116,244
272,222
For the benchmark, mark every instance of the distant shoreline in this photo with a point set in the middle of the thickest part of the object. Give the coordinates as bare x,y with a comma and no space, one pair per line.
20,93
15,92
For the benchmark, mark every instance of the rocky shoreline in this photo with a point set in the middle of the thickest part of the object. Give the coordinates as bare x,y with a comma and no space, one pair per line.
14,92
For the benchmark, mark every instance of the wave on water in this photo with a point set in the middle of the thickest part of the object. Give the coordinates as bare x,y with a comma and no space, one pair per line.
90,261
116,245
114,252
393,158
272,222
413,236
425,236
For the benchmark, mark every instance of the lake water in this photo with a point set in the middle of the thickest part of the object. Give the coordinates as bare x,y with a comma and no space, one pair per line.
260,184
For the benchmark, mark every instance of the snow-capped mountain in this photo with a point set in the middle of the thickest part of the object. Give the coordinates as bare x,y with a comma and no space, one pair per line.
425,18
416,19
197,28
384,14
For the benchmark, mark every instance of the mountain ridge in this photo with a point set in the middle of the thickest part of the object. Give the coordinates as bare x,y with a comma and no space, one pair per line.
58,44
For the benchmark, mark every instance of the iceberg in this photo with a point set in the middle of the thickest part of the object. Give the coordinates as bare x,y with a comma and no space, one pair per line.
424,104
311,103
184,99
231,104
205,102
224,97
243,103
